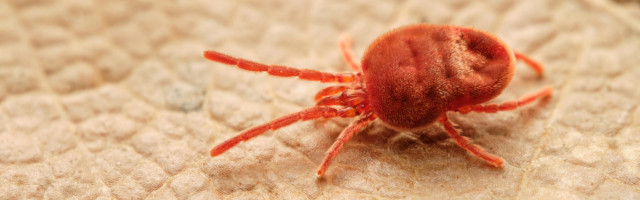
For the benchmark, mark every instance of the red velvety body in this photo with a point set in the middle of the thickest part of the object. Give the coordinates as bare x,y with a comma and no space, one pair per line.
414,74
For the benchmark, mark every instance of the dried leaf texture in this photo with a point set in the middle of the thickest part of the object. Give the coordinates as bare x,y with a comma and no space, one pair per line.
112,99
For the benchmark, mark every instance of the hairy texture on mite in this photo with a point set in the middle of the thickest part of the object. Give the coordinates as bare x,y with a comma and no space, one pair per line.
416,73
409,78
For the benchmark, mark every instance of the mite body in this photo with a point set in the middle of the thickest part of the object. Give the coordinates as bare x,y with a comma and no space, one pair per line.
408,78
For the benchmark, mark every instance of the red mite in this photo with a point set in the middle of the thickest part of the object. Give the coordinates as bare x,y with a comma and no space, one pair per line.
409,78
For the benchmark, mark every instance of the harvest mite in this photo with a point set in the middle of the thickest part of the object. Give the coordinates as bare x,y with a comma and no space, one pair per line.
408,78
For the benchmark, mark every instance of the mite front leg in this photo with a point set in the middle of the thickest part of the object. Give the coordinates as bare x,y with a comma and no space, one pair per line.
328,91
344,137
306,114
464,143
278,70
509,105
347,98
347,54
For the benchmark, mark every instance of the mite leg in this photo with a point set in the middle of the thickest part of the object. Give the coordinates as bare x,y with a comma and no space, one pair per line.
464,143
347,54
341,100
509,105
535,65
306,114
347,98
330,91
344,137
278,70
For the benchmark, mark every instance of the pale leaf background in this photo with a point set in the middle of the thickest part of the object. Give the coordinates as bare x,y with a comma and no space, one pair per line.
112,99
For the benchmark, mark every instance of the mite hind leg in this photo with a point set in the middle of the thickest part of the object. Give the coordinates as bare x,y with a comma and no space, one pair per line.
464,143
535,65
509,105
